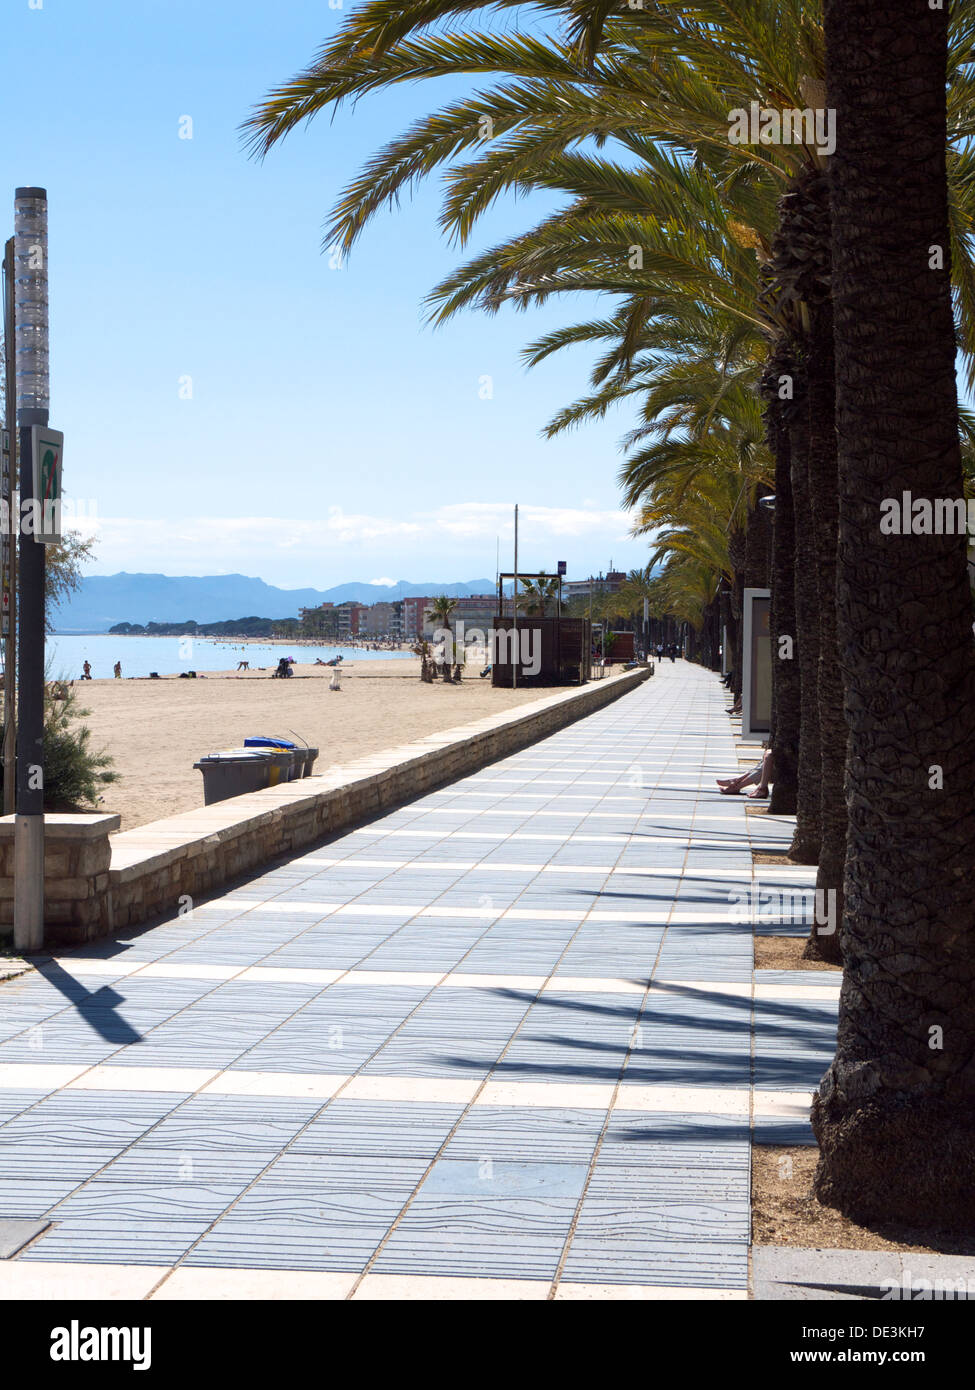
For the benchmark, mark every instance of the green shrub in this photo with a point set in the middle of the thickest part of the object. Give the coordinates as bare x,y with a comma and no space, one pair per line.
74,773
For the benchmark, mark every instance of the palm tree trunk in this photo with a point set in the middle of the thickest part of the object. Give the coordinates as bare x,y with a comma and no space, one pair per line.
824,935
808,833
895,1113
785,669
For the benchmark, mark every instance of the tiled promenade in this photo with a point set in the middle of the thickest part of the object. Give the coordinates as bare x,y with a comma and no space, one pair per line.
505,1041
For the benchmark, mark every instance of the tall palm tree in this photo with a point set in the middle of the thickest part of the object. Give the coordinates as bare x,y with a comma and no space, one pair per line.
895,1113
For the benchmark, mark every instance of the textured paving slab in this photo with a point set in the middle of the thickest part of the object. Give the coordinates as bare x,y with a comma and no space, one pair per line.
499,1037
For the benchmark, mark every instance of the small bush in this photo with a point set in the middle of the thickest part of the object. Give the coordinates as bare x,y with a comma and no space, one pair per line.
74,773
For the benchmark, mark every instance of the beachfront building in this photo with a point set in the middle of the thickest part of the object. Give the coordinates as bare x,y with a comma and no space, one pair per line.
321,621
414,617
475,611
350,616
382,619
609,583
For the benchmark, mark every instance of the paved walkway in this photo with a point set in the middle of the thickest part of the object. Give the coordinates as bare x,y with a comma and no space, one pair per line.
503,1041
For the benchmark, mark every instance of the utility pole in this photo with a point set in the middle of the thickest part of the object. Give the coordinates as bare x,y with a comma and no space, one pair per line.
9,581
514,663
33,400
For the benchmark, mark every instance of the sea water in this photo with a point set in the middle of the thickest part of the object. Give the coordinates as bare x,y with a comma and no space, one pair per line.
66,654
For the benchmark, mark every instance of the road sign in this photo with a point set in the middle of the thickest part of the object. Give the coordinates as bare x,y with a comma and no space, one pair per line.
48,450
561,567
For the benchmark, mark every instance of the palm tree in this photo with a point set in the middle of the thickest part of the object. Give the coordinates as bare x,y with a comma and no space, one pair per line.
441,611
538,594
639,592
895,1113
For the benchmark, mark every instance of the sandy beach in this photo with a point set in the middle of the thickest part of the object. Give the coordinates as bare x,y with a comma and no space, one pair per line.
157,729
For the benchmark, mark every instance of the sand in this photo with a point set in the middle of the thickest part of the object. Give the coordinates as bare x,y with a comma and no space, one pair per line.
156,730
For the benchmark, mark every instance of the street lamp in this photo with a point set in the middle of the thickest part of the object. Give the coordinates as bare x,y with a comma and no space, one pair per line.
33,400
31,303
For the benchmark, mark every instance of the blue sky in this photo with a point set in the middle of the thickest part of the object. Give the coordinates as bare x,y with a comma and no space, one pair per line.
331,435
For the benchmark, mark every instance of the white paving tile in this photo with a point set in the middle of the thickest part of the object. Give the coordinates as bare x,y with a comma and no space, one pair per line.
404,1288
38,1076
458,979
769,1105
561,1094
109,1078
77,966
280,974
56,1281
266,1285
692,1100
424,1089
175,970
318,1085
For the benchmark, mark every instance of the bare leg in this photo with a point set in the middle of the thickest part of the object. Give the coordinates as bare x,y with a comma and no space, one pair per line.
737,783
761,790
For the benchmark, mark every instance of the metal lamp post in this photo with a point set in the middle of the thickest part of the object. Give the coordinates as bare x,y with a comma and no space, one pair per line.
33,401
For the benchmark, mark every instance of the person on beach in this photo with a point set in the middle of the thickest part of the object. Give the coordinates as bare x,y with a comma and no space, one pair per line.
86,671
118,670
243,666
761,774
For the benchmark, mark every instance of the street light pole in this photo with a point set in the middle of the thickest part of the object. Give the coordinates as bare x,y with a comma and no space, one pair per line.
33,400
11,483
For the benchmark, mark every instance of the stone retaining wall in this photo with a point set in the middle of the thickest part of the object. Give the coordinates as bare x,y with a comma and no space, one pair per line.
155,866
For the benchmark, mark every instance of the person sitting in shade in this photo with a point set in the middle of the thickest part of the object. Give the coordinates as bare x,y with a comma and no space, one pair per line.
761,774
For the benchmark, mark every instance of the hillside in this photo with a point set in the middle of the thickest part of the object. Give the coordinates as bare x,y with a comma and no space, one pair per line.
102,601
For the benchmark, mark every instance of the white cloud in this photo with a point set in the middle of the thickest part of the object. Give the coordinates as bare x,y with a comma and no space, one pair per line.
336,546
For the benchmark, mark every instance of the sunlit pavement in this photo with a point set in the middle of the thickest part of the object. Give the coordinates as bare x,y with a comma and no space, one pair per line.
505,1041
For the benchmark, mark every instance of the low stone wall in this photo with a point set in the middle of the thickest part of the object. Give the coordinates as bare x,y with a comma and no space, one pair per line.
154,867
77,857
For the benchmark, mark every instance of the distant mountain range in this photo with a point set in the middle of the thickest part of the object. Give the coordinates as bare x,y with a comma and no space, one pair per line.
101,601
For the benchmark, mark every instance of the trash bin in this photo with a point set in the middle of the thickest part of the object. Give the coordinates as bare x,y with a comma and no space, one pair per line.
281,763
295,754
233,773
310,755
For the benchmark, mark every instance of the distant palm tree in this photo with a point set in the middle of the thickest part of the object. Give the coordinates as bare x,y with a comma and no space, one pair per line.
538,594
441,611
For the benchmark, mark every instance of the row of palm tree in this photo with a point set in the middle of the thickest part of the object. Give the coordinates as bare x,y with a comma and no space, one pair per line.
777,326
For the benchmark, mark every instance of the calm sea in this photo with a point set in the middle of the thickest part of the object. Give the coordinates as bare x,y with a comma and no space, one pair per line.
65,655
